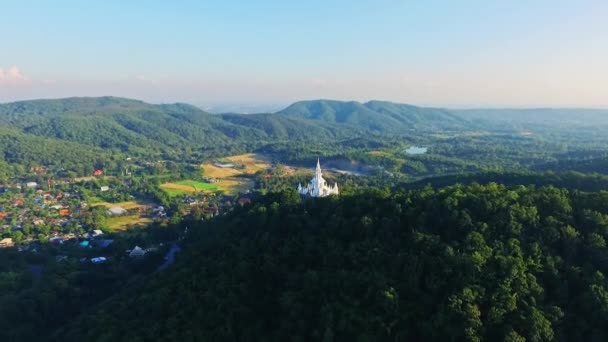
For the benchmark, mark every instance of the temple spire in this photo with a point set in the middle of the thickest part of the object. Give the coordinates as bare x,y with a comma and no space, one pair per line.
317,186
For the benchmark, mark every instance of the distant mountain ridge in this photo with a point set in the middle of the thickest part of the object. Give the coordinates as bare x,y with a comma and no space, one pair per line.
137,127
374,115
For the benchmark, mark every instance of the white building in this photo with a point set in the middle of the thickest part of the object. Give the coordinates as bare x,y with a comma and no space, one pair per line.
317,186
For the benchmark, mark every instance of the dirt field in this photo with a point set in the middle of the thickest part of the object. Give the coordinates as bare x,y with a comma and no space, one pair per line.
228,179
378,153
124,222
252,162
127,205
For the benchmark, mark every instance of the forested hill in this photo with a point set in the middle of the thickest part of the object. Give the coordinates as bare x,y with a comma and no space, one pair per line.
135,126
548,117
375,115
129,125
462,263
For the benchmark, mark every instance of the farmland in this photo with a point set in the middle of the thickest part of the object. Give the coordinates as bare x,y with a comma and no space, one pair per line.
126,221
232,180
188,186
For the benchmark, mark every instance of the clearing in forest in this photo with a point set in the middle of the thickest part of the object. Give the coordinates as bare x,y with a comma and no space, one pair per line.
188,186
126,221
245,164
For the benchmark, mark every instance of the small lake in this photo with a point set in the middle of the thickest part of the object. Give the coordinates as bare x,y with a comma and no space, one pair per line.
416,150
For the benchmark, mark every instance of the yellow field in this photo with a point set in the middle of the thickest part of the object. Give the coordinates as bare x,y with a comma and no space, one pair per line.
234,185
227,178
127,205
212,171
378,153
124,222
252,162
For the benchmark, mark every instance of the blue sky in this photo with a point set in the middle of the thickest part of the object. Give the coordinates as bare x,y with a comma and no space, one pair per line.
443,53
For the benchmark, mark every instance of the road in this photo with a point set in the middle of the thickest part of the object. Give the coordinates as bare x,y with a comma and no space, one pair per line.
170,257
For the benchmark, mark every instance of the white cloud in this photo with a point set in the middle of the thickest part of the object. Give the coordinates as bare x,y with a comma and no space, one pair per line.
11,75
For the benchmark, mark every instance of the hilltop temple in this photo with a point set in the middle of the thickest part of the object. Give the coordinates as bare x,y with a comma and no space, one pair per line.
317,186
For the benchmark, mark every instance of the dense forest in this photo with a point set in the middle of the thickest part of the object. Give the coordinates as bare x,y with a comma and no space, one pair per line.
495,232
462,263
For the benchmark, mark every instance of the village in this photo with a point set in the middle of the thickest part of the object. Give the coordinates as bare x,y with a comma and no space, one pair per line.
81,218
106,218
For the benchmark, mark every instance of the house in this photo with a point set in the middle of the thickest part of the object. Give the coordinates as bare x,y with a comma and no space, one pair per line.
56,240
61,258
244,200
104,188
31,184
18,202
98,173
64,212
96,233
104,243
158,209
223,166
38,222
3,215
116,211
137,252
8,242
98,260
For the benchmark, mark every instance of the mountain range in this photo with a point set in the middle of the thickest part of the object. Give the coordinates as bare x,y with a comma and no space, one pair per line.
48,129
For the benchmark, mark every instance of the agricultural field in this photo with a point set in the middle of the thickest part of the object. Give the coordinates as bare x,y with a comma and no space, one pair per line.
249,163
126,221
378,153
188,186
228,180
128,205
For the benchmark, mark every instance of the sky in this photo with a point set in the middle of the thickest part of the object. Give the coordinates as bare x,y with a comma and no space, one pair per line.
268,53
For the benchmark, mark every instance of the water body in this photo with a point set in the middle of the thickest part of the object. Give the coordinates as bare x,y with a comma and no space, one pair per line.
416,150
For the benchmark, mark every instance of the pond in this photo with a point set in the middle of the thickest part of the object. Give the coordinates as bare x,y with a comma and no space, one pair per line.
416,150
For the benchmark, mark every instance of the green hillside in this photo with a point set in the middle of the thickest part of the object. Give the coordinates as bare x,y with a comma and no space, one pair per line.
375,115
463,263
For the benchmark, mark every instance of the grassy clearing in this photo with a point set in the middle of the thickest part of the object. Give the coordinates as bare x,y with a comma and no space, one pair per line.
188,186
252,163
127,205
127,221
234,185
228,179
378,153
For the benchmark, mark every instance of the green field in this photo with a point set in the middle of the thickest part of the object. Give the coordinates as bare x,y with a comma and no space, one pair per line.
187,186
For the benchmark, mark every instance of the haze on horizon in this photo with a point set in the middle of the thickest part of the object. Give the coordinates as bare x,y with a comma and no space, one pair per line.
440,53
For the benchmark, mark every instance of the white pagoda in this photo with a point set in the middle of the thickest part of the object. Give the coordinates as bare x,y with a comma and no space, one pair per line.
317,186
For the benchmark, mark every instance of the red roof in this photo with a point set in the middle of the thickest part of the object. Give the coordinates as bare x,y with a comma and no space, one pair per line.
244,200
98,173
18,202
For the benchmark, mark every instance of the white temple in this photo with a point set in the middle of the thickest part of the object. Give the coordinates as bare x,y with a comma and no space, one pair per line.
317,186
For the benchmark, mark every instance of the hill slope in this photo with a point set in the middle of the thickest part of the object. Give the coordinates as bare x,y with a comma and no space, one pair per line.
375,115
462,263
